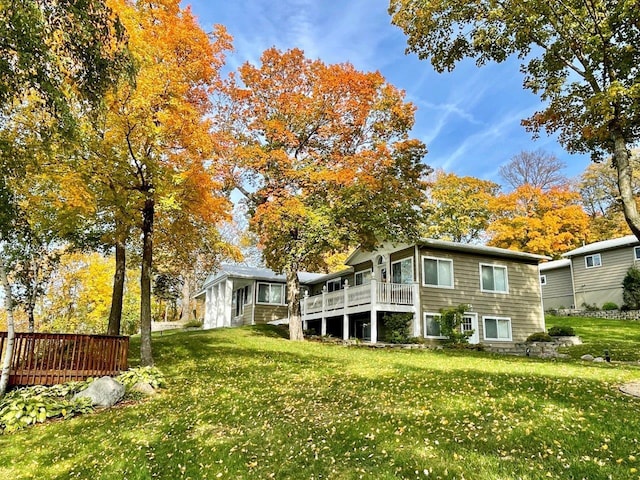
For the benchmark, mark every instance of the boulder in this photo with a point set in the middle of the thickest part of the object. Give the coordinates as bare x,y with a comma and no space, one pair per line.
103,392
598,359
144,388
587,358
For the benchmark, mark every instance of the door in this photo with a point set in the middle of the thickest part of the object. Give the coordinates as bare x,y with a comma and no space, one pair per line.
470,323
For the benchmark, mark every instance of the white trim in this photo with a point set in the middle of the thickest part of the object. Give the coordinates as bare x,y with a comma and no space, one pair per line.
424,325
360,272
424,272
400,261
283,299
543,279
506,278
593,257
494,317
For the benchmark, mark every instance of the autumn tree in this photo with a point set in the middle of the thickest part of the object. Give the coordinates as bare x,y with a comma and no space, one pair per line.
539,169
325,161
601,199
156,131
581,58
58,54
543,222
458,208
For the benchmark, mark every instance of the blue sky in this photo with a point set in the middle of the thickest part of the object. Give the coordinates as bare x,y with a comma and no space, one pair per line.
469,119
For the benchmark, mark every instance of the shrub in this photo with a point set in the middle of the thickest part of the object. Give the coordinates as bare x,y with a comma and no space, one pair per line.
561,331
151,375
539,337
610,306
450,321
193,324
397,326
631,288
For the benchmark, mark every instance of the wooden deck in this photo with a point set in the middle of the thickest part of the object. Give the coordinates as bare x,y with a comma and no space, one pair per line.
53,358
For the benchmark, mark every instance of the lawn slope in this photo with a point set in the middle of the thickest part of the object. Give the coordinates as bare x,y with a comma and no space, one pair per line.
246,403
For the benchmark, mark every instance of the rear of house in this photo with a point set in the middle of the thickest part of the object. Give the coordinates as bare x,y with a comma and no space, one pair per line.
599,268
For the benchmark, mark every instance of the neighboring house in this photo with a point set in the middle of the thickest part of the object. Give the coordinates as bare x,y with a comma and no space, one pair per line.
557,285
598,270
501,288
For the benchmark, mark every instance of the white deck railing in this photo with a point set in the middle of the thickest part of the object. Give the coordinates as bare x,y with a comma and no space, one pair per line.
377,293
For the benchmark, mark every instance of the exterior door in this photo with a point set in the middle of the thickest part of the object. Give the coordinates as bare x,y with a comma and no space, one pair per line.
469,323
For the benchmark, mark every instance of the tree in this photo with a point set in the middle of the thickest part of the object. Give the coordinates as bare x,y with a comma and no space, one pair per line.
546,223
325,162
458,207
64,53
601,200
580,57
157,132
539,169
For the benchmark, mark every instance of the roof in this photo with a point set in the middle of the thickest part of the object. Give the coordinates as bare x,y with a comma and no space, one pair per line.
482,249
565,262
242,271
621,242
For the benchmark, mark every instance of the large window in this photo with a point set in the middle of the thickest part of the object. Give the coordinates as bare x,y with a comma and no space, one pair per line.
432,325
493,278
363,277
437,272
497,328
402,271
272,293
592,261
334,285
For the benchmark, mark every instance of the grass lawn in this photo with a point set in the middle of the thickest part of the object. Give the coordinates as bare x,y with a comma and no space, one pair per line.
244,403
620,337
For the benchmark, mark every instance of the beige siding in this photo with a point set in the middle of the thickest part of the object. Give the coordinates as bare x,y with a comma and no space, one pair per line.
558,291
269,313
597,285
523,303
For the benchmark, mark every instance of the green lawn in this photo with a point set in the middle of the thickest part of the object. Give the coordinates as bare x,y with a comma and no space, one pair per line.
244,403
620,337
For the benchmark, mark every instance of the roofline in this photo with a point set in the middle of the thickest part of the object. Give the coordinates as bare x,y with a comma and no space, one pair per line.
467,247
603,245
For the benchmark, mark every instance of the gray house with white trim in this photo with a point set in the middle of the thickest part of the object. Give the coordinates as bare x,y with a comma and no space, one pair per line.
556,282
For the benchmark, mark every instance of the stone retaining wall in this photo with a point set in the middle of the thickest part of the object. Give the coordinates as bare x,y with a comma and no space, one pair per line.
607,314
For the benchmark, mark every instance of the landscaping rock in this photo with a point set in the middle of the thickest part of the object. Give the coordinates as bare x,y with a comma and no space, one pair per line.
144,388
104,392
598,360
587,358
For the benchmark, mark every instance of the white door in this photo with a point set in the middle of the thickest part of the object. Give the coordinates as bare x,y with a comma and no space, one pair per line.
469,323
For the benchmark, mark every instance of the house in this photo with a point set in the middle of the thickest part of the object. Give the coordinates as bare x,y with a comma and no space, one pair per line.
557,284
598,269
500,287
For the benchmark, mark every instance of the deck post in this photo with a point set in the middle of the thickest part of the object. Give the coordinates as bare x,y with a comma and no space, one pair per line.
345,315
323,322
305,324
374,311
416,309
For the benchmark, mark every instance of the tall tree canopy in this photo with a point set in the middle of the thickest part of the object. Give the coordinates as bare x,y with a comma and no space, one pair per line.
325,161
544,222
581,58
458,208
538,169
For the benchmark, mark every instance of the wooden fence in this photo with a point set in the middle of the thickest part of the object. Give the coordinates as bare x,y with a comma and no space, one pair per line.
52,358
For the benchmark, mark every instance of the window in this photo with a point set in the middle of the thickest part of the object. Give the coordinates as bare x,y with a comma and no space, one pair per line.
333,285
497,328
432,326
543,279
272,293
636,253
493,278
363,277
402,271
592,261
437,272
240,299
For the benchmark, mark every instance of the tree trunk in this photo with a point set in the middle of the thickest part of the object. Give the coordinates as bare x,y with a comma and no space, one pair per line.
186,298
117,295
30,307
8,305
625,183
293,305
146,356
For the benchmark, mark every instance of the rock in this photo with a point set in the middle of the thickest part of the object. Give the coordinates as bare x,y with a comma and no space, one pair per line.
103,392
144,388
587,357
598,359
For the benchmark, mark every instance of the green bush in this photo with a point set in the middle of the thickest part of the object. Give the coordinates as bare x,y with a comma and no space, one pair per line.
151,375
561,331
539,337
193,324
397,327
631,289
610,306
450,321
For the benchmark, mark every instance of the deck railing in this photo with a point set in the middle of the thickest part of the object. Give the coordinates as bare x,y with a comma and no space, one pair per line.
52,358
379,293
